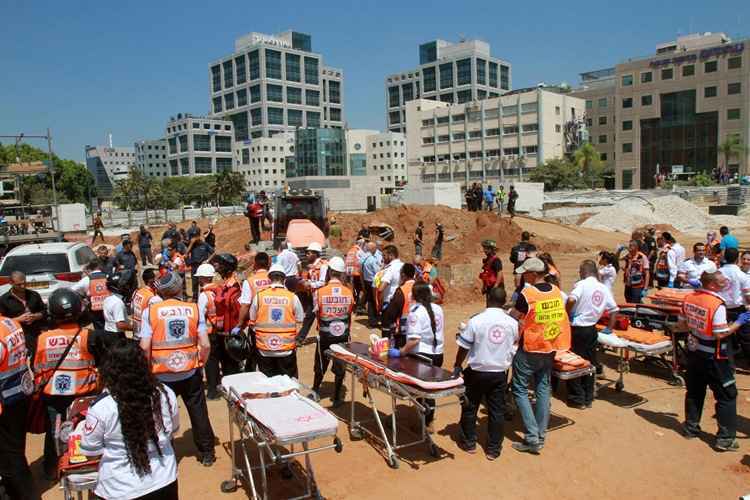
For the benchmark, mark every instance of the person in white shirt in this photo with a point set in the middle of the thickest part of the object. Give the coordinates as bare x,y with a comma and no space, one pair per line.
132,434
675,256
608,269
424,336
745,262
116,321
689,272
391,275
736,290
586,304
488,342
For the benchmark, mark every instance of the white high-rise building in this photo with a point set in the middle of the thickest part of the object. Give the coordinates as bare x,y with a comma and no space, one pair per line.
387,162
151,157
197,145
108,165
263,162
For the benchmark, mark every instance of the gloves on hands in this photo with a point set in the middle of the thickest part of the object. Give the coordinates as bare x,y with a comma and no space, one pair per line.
743,319
695,283
671,284
607,330
644,292
236,330
394,353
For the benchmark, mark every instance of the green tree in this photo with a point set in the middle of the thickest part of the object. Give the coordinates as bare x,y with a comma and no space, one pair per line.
731,146
228,186
556,174
587,159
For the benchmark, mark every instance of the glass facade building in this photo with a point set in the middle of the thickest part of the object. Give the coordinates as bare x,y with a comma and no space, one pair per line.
319,152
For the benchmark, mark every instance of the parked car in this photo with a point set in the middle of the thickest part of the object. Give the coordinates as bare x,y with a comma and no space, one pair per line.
48,266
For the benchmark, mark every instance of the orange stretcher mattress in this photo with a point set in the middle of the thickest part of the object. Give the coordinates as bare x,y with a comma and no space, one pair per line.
640,336
669,296
566,361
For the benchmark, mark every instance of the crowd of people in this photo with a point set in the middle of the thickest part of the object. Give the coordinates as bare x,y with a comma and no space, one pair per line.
480,198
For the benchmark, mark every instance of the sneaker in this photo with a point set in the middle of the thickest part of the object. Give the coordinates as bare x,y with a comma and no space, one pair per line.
527,448
207,459
577,406
492,455
734,445
689,433
471,449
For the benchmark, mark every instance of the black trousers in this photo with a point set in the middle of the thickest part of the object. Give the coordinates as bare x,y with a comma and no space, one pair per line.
97,320
255,229
146,257
633,295
490,387
320,365
55,405
357,290
741,339
437,360
704,370
14,468
372,315
168,492
584,343
191,392
281,365
219,364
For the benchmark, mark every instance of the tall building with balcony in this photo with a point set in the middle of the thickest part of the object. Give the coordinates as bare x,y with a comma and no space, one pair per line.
151,157
197,145
109,164
273,84
452,73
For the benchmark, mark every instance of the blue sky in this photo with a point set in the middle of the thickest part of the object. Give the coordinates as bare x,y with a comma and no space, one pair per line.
87,68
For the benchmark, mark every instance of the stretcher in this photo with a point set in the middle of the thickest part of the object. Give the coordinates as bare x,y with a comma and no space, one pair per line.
411,379
77,474
628,350
272,415
569,366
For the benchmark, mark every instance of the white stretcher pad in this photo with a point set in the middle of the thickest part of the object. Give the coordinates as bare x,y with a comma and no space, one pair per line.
617,342
257,384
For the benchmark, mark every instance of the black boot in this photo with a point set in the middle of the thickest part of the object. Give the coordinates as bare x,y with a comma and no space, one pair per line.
317,381
338,392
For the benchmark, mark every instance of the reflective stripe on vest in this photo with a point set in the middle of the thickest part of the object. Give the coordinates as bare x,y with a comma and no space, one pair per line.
98,290
662,262
699,310
77,374
141,297
213,322
635,271
335,305
275,324
408,302
546,327
352,262
315,269
15,377
174,341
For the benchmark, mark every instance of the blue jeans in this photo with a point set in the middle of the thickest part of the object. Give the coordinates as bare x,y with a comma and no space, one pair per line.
539,366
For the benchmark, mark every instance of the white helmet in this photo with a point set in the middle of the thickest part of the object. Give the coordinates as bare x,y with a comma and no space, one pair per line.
205,271
337,264
315,247
276,268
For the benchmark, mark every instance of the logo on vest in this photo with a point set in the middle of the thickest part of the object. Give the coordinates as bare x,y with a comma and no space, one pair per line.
27,383
176,329
496,334
274,342
551,331
276,314
63,383
337,328
177,361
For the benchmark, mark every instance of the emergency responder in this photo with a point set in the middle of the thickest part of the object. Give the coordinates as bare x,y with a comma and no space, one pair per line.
391,277
635,274
176,263
227,313
333,308
314,277
275,313
176,343
258,281
95,283
489,340
143,298
586,304
710,360
204,277
354,270
64,366
492,268
545,329
16,385
395,315
114,309
519,253
690,271
665,262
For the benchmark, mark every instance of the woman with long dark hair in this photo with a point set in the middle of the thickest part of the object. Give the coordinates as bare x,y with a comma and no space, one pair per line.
424,335
131,427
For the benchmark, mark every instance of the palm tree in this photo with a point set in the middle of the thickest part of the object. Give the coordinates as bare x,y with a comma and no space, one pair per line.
587,159
122,195
227,186
732,146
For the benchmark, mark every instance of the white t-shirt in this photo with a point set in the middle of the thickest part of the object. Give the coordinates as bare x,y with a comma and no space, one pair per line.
679,253
738,285
289,261
592,298
246,297
392,276
608,275
693,269
419,327
491,338
81,287
101,434
114,310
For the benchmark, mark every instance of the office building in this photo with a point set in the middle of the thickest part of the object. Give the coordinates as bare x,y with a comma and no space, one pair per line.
273,84
263,162
387,160
151,157
199,145
357,150
673,109
491,140
108,165
449,73
598,91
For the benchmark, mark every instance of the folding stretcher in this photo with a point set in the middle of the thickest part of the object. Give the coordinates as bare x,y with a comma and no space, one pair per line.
568,366
78,474
627,350
273,415
410,378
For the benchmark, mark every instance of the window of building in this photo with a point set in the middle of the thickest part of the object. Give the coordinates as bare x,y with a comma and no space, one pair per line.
245,156
335,114
530,127
589,104
446,97
215,79
228,74
241,98
394,117
504,77
294,117
463,74
334,92
202,142
710,66
558,128
313,119
475,134
667,73
217,104
254,64
293,95
311,70
312,97
463,96
224,165
627,102
529,107
229,101
602,120
456,119
274,93
627,147
627,125
510,129
273,64
183,143
603,156
407,92
446,76
223,144
293,72
603,139
481,71
459,136
441,120
557,110
602,103
202,165
256,117
530,150
428,75
428,140
734,88
442,138
646,100
275,116
510,110
481,94
493,74
646,77
733,114
688,70
710,91
425,123
493,132
239,66
207,126
734,62
627,80
255,93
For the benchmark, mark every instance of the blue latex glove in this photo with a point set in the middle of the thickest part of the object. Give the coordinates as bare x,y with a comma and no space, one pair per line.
743,318
394,353
620,248
236,330
644,292
671,283
606,330
695,283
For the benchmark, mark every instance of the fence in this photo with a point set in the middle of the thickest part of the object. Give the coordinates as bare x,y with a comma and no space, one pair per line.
134,218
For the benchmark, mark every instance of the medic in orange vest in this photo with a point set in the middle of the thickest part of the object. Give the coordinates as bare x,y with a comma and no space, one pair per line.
258,281
544,329
143,298
275,312
492,267
395,315
709,360
317,267
76,375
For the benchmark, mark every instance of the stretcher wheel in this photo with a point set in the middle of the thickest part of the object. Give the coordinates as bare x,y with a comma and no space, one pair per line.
434,452
393,462
339,446
677,380
229,486
619,386
355,433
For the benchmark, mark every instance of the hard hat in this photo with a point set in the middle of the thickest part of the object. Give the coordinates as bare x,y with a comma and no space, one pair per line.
276,268
64,304
237,346
337,264
314,247
205,271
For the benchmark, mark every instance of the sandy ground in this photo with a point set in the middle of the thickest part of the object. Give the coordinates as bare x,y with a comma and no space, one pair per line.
627,445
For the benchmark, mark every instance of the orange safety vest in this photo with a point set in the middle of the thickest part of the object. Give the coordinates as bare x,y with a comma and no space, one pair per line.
353,267
275,323
15,377
635,273
140,301
335,306
214,323
699,309
257,282
174,340
179,261
408,302
314,270
661,270
546,327
98,290
77,374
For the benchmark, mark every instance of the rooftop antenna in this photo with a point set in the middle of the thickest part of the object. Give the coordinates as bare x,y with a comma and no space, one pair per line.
461,37
109,139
